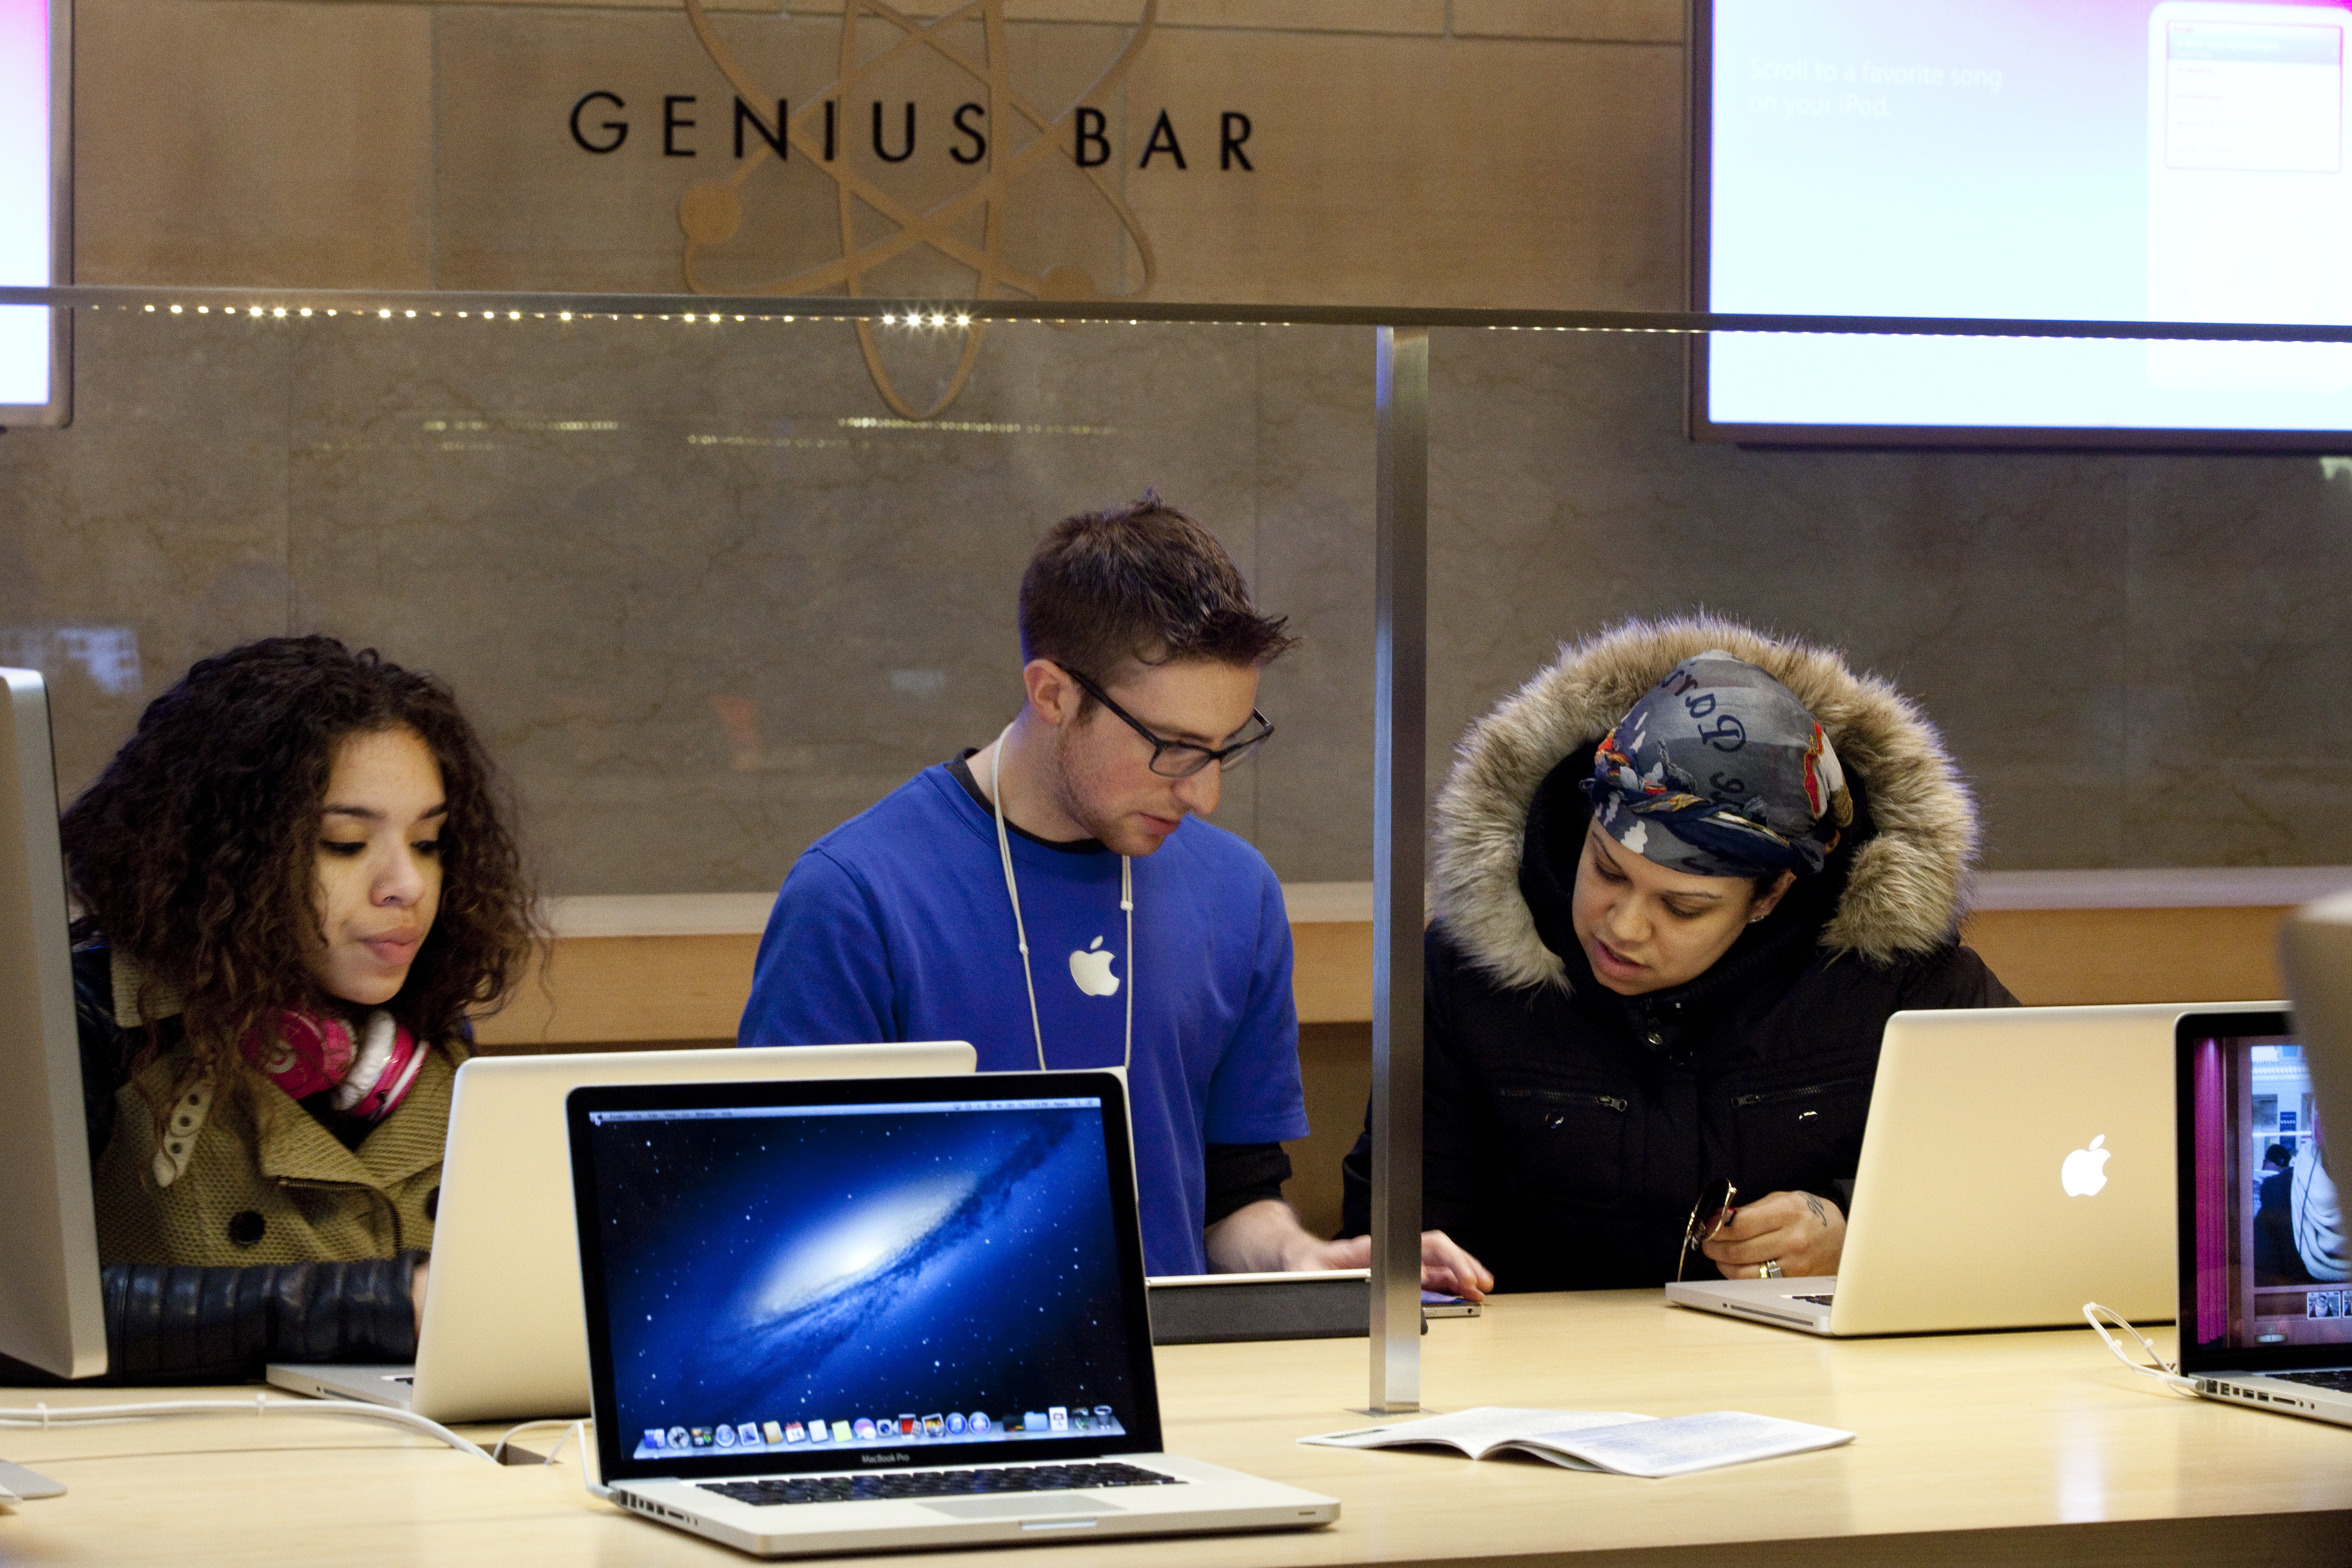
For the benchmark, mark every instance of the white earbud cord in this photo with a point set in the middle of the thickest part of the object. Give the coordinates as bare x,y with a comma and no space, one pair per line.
1021,931
2163,1372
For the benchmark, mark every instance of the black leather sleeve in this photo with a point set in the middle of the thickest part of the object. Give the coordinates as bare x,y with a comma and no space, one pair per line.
1240,1175
1356,1185
106,1047
171,1323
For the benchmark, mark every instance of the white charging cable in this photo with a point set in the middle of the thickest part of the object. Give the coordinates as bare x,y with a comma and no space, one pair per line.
2163,1372
571,1429
46,1415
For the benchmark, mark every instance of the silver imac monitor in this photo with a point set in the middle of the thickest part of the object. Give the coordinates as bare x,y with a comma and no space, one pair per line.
50,1314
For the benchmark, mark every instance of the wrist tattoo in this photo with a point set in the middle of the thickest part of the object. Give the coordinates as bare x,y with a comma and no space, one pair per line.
1814,1204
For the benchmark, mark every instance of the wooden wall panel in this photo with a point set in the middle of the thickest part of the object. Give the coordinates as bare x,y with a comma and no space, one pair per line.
597,989
2052,957
1332,976
612,991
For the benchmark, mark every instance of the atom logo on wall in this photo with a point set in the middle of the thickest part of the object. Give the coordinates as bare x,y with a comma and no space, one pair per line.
711,213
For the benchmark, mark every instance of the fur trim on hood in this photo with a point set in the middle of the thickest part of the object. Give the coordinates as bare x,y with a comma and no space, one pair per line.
1905,895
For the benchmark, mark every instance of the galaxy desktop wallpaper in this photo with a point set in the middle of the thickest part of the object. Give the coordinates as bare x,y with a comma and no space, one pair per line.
808,1271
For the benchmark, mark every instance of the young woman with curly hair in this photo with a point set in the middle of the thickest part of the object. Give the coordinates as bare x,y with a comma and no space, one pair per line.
297,881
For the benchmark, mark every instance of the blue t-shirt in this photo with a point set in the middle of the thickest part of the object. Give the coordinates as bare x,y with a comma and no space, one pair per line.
895,926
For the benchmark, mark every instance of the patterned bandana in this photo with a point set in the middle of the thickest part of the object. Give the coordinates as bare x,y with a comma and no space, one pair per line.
310,1053
1720,772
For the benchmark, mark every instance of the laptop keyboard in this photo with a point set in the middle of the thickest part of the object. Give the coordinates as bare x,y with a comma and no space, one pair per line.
2338,1379
1816,1300
890,1486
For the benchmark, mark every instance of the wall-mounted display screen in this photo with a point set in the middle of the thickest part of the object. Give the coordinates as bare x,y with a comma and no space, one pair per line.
34,206
2114,160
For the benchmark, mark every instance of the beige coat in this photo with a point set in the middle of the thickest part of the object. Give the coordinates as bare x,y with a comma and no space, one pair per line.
250,1177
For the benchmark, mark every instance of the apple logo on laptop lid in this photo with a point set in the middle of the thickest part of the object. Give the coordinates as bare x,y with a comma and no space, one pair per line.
2084,1171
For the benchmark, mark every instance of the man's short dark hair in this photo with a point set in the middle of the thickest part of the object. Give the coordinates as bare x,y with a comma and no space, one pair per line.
1145,583
2278,1154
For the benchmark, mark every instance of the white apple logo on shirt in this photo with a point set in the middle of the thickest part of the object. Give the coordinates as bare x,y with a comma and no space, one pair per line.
1091,970
2083,1172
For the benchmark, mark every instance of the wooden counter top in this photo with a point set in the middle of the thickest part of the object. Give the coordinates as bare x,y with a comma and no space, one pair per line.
2020,1448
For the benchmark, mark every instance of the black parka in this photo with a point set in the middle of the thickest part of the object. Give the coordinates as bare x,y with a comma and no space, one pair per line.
1568,1129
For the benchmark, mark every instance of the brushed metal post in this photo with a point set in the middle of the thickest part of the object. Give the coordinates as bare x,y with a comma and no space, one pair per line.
1400,816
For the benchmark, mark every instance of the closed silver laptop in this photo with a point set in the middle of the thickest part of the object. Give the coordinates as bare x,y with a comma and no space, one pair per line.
2016,1162
501,1338
828,1317
2266,1308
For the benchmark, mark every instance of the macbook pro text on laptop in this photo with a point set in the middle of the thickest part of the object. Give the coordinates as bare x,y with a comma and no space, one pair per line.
832,1316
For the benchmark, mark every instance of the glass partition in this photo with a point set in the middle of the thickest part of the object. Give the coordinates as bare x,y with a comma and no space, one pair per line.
707,594
711,595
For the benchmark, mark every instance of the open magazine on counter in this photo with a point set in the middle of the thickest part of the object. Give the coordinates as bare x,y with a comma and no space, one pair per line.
1614,1440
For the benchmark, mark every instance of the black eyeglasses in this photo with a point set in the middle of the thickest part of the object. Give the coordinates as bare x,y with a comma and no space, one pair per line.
1182,759
1709,1215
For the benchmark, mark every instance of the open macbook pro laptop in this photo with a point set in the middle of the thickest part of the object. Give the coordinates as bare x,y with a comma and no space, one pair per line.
2265,1301
2016,1162
830,1315
501,1338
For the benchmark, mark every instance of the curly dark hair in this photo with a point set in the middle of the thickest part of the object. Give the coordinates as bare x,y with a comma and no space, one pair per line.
194,853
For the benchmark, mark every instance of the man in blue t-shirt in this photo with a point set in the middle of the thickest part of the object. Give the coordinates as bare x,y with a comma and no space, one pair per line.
1052,898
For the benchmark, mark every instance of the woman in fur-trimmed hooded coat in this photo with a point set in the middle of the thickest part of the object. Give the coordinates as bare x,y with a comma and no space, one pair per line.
1568,1129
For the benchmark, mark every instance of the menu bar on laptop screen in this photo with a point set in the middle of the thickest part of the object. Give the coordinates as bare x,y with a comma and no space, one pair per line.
738,1112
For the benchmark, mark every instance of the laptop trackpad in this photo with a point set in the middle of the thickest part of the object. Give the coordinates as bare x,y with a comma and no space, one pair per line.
1013,1507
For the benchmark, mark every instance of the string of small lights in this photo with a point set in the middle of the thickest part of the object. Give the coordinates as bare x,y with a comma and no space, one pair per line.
294,305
